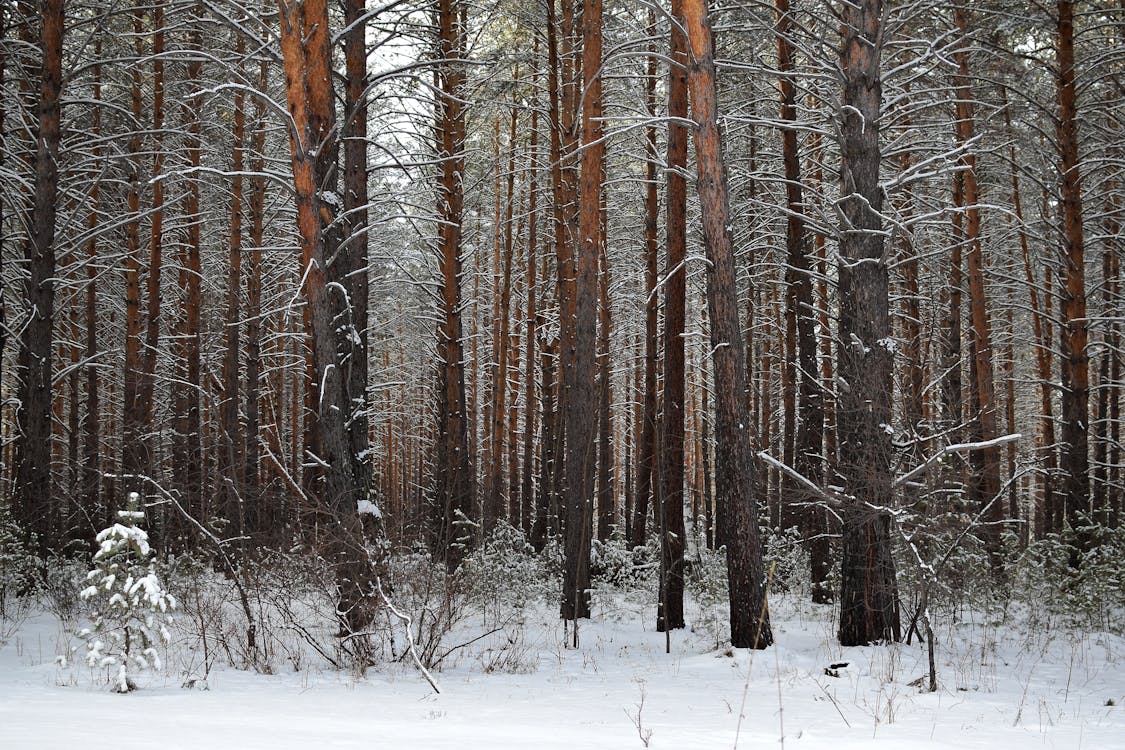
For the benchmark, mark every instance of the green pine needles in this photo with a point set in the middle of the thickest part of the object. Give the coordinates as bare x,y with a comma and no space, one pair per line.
129,604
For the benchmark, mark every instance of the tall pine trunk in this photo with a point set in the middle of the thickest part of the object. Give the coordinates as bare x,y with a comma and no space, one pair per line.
33,478
868,592
735,472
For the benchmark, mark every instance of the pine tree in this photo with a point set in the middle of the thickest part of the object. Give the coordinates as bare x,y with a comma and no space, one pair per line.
129,602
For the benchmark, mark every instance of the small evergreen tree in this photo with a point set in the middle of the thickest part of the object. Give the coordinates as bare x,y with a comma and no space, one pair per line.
129,603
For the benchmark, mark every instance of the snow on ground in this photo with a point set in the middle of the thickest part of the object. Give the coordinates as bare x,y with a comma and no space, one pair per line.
1000,688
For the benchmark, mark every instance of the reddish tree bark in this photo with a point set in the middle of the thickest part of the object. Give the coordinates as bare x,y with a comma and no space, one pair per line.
735,473
1074,331
581,400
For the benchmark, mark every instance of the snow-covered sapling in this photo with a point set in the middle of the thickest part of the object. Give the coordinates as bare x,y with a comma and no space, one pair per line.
130,607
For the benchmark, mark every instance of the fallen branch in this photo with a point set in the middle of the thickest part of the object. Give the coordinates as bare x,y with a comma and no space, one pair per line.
407,622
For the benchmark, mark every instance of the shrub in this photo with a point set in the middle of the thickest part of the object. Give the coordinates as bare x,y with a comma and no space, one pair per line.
129,602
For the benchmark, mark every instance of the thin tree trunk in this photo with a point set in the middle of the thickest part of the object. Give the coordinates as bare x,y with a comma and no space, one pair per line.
147,377
580,419
350,268
258,522
670,456
1075,329
231,445
190,387
646,445
607,511
810,404
533,320
983,353
91,425
455,477
133,450
1041,342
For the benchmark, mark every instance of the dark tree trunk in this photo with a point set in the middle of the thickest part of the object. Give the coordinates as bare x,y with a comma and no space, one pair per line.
307,55
533,322
134,459
91,424
1074,331
646,444
581,401
258,522
735,472
607,511
670,456
799,299
868,595
146,379
33,462
351,264
231,445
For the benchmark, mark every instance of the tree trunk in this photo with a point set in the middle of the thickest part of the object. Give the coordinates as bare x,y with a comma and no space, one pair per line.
134,459
734,465
533,321
670,456
307,55
1074,331
231,445
868,595
147,377
983,354
581,399
646,445
257,522
810,404
454,481
33,476
350,268
91,424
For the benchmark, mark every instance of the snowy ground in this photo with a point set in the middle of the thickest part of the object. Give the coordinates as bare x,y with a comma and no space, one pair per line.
1000,688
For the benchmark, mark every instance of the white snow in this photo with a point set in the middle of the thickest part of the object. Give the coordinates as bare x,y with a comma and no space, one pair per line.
366,507
1002,687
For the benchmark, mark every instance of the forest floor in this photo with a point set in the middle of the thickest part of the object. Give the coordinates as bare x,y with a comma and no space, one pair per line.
1001,685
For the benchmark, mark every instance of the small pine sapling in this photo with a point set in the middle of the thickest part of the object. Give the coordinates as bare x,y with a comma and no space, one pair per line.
129,604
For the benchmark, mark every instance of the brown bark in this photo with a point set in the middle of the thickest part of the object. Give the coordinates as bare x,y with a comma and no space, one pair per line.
734,466
307,55
91,424
983,353
580,412
808,445
33,467
1074,331
646,444
670,456
231,445
868,594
